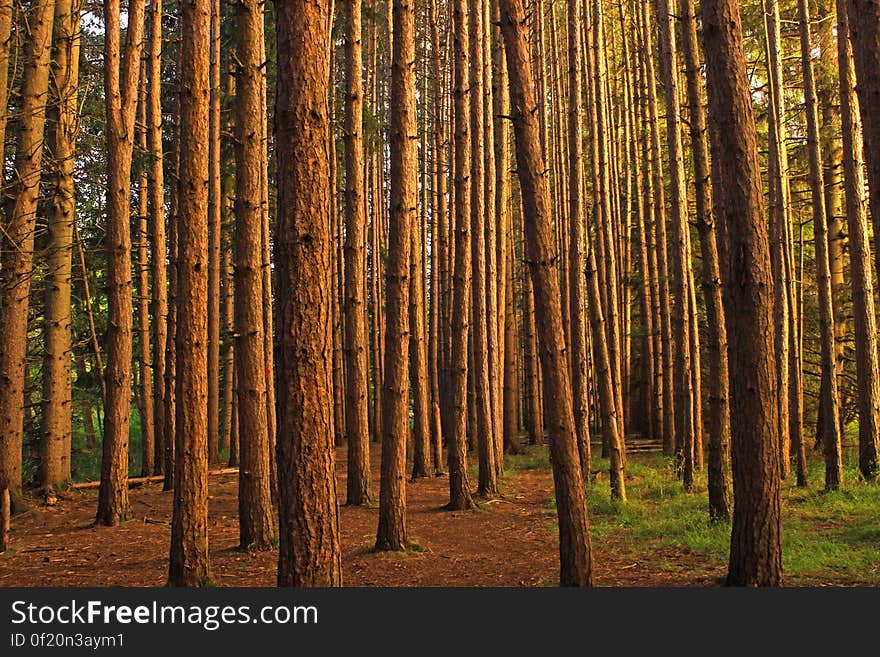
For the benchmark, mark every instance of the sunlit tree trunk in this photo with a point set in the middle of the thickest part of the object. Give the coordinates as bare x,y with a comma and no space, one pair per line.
309,553
188,563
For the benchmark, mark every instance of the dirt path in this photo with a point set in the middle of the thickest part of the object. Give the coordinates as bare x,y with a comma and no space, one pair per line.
510,541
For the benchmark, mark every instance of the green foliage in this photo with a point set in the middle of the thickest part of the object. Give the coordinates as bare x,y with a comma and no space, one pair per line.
828,538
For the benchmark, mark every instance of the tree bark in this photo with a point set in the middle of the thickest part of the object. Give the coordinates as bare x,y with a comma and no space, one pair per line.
683,386
459,484
309,552
188,562
864,317
391,533
829,400
18,238
755,545
356,346
121,103
574,532
718,417
156,178
256,524
57,407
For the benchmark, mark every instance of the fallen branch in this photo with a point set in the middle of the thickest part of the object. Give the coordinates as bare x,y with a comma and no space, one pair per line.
137,481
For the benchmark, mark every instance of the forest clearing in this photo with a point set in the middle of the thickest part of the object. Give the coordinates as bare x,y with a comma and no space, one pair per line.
454,293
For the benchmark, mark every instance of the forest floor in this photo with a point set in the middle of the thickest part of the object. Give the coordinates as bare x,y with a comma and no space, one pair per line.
659,538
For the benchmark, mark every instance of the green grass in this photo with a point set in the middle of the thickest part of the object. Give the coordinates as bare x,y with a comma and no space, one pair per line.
828,538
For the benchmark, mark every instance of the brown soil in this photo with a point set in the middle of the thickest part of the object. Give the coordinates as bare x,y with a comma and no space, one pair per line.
510,541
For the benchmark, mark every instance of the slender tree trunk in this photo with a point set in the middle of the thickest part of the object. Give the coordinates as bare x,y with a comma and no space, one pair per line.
487,485
391,533
171,341
356,346
6,12
660,242
188,563
121,102
18,238
57,407
214,209
156,179
459,484
683,386
309,552
864,318
418,360
574,530
718,417
864,29
755,543
577,303
829,401
145,381
228,364
256,524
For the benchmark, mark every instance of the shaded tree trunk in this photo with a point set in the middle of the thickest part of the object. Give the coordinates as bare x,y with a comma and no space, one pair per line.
57,407
718,416
864,317
156,178
755,543
829,400
356,347
18,242
121,103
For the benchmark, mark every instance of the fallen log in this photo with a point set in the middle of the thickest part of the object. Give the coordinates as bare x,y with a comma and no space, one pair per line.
137,481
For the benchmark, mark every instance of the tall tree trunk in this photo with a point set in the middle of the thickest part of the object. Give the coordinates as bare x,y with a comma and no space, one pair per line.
57,407
684,402
228,364
18,238
864,28
755,543
660,242
577,303
256,524
188,562
145,382
487,484
171,339
605,201
156,179
779,200
574,531
309,552
864,318
829,400
391,533
718,417
121,103
418,359
214,209
356,347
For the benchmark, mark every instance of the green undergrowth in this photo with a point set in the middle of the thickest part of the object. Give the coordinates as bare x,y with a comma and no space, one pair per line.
828,538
